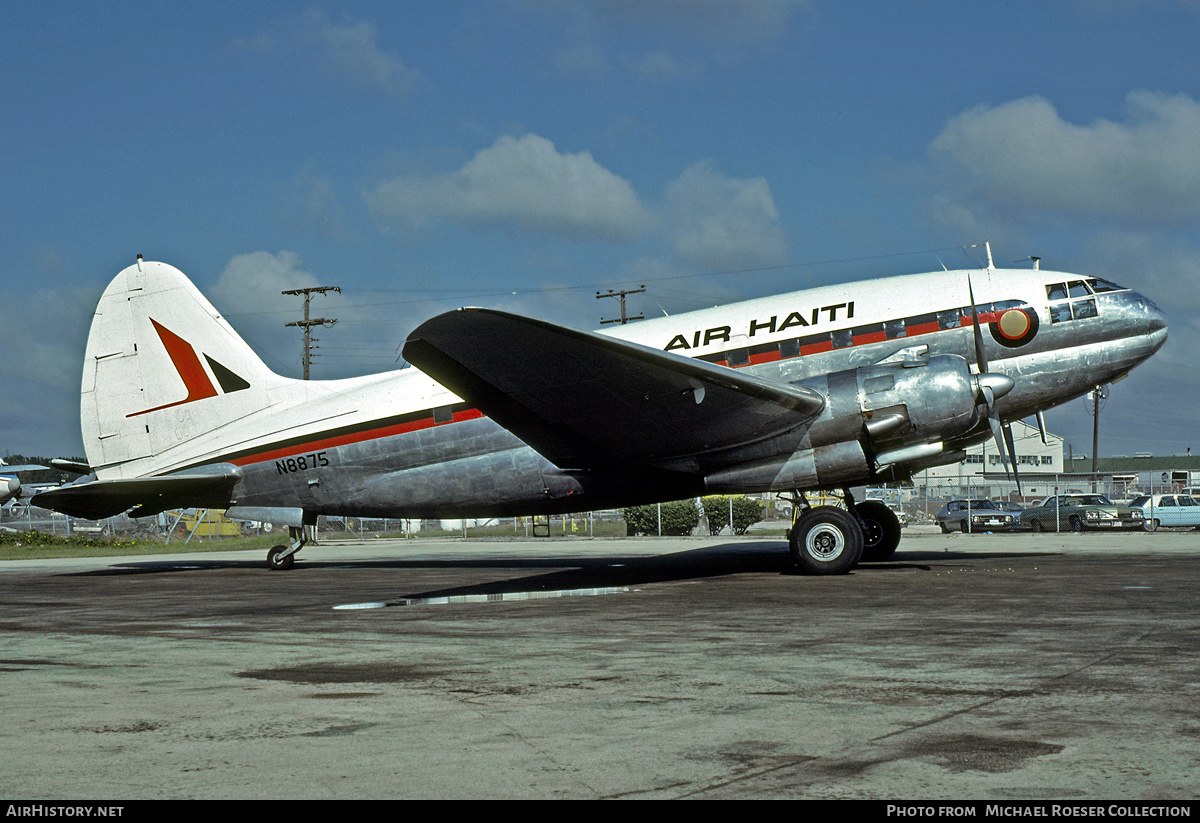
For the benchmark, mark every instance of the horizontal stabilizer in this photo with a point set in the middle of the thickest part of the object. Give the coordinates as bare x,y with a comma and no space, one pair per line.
72,466
586,400
150,495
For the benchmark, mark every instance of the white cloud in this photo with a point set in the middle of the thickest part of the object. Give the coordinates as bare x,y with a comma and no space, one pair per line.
249,294
1023,154
254,282
523,182
721,222
349,48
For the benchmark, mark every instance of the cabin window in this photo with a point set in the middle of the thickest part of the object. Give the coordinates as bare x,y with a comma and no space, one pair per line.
1056,291
1078,288
842,339
736,358
893,329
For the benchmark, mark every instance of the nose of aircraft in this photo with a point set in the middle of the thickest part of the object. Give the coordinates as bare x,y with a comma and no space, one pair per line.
1156,323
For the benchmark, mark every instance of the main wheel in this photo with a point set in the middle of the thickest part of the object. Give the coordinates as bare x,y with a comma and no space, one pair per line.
277,563
826,540
881,530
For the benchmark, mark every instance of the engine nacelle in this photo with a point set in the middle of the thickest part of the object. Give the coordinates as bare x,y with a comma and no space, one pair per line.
894,404
890,408
9,488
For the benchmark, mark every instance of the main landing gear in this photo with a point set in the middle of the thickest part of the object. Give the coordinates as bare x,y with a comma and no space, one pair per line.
832,540
281,558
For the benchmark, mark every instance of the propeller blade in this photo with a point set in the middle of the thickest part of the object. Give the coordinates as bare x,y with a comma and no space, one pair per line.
1041,421
980,357
998,434
1012,452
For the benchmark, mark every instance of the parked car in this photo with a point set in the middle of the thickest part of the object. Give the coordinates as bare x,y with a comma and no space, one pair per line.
984,516
1081,511
1168,510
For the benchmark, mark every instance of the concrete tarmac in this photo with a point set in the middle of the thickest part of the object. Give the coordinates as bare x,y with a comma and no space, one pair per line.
971,667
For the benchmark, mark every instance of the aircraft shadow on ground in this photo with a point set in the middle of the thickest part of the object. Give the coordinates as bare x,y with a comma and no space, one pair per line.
561,572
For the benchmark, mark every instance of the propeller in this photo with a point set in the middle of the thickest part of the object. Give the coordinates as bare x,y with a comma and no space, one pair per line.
991,387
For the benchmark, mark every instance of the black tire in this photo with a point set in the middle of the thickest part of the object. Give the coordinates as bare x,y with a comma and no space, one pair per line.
1036,525
826,540
1151,525
277,563
881,531
1076,524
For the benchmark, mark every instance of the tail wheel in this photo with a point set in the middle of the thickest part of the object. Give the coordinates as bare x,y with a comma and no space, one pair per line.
826,540
277,561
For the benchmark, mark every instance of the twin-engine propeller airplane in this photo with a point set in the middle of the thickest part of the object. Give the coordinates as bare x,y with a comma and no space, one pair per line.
504,415
10,483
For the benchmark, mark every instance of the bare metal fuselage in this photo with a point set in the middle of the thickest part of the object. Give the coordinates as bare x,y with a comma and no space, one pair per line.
444,459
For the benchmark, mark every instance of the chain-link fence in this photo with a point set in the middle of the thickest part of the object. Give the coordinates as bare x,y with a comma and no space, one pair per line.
923,499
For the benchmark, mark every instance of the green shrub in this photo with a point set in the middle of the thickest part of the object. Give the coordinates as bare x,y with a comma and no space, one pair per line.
746,513
678,517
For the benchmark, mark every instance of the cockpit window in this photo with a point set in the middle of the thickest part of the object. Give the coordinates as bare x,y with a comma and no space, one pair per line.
1084,309
1074,300
1099,285
1060,313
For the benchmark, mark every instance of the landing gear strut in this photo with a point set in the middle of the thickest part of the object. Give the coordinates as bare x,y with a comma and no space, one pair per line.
281,558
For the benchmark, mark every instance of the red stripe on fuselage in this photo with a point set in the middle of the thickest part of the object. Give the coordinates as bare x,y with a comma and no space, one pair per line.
319,442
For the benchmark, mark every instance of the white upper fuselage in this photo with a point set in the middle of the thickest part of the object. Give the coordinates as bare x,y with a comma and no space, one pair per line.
787,337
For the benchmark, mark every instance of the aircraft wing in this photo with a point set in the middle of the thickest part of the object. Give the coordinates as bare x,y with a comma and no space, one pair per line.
95,499
586,400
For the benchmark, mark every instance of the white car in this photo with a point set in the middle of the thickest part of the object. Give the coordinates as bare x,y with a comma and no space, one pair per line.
1168,510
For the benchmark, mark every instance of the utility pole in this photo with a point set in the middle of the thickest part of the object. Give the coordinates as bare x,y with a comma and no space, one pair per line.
621,295
308,323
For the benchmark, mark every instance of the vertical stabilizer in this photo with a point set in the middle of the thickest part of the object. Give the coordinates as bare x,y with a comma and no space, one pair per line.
162,369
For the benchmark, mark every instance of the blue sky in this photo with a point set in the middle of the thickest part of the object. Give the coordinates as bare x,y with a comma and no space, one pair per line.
526,154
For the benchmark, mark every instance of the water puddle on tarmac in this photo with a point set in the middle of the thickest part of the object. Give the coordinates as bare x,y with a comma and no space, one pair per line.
485,598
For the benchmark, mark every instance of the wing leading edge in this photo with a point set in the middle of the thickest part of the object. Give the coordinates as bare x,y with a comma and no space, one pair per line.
589,401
